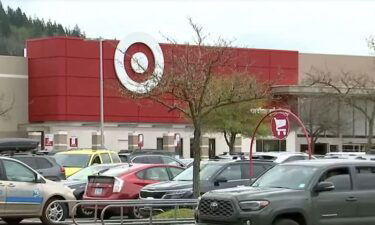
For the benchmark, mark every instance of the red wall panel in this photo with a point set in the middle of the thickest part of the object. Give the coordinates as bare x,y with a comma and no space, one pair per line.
46,48
121,107
44,67
64,80
82,67
48,105
77,105
48,86
82,86
284,59
80,48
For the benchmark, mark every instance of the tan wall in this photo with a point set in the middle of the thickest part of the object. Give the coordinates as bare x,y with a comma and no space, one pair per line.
334,64
13,89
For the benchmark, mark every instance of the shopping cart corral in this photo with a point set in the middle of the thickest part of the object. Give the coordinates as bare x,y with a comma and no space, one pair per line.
150,207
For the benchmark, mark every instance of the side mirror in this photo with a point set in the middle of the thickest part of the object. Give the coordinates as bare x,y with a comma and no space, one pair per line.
39,179
324,186
220,180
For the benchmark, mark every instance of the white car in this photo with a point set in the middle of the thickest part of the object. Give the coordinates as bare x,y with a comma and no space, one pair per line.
344,155
26,194
281,157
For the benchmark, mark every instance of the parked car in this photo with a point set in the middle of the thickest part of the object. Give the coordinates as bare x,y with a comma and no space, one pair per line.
188,162
24,193
344,155
126,155
24,150
78,181
308,192
75,160
214,175
45,165
125,182
234,156
366,157
281,157
151,159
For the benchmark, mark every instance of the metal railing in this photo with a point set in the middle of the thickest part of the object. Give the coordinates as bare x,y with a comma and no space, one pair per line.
149,207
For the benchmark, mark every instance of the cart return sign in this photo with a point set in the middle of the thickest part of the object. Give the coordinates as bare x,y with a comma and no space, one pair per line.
280,125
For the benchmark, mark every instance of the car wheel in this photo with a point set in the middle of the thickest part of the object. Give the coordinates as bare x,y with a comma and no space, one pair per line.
84,212
286,222
107,215
12,221
54,212
135,213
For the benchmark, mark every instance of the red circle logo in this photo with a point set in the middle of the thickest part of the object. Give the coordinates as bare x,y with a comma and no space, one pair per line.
280,126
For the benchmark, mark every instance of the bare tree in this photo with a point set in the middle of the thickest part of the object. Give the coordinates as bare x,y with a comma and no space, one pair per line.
321,114
6,104
236,119
194,85
351,88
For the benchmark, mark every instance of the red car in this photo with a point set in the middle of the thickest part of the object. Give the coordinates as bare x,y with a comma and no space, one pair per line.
125,182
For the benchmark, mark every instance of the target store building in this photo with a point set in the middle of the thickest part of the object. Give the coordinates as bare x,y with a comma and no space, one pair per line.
55,96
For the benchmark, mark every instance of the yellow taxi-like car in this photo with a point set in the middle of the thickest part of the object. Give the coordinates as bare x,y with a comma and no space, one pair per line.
75,160
26,194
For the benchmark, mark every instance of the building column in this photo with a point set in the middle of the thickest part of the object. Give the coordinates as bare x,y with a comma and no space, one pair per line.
204,147
168,142
292,144
36,136
96,140
132,141
60,141
238,144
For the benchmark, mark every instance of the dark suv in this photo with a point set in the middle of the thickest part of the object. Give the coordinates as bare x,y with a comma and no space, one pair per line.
214,175
45,165
311,192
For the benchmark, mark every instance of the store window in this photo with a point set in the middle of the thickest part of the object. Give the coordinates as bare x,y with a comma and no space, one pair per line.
211,148
353,148
159,143
270,145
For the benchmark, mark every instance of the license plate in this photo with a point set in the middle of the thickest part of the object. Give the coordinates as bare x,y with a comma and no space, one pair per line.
98,191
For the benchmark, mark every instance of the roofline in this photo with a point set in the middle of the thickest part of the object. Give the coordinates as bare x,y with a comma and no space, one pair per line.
305,90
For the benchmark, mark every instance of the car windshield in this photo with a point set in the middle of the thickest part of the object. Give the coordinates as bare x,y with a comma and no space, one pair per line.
117,171
207,171
286,176
88,171
72,160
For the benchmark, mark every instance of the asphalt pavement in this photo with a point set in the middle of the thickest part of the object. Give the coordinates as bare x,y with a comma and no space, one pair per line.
68,222
38,222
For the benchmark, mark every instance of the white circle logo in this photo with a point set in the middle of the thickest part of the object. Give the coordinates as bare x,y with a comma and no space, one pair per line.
139,63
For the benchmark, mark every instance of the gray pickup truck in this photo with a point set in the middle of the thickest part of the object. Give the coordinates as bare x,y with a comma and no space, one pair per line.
316,192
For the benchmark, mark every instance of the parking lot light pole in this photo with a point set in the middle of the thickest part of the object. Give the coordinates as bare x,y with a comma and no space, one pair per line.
101,93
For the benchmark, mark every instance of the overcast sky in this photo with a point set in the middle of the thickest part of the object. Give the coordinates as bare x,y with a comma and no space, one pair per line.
333,27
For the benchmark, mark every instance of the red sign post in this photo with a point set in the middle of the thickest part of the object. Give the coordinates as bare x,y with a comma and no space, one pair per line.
279,130
280,125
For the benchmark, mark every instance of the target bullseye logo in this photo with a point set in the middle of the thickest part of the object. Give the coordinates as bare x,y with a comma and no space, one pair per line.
139,63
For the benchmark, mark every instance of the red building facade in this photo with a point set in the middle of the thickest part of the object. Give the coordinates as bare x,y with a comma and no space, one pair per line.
64,80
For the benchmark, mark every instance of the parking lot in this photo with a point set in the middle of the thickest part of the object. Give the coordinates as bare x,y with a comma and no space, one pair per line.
69,222
37,221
